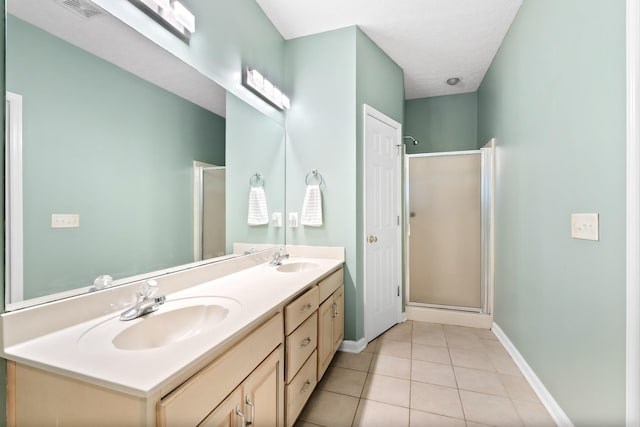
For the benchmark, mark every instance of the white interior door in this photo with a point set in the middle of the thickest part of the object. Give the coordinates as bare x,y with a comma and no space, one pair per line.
383,303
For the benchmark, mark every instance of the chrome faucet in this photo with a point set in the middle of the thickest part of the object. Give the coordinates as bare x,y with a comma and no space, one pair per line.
278,257
146,302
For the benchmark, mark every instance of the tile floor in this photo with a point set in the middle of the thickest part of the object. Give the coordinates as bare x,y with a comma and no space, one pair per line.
425,374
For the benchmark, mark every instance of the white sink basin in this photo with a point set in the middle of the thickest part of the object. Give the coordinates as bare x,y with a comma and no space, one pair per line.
297,266
173,322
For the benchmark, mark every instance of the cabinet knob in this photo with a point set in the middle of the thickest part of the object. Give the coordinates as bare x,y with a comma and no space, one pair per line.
306,307
306,342
373,239
305,387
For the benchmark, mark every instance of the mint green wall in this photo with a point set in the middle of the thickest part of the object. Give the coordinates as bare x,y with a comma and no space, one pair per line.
554,98
442,123
255,144
330,76
111,147
379,84
321,134
230,35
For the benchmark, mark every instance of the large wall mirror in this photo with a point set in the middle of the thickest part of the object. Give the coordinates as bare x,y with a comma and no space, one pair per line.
119,157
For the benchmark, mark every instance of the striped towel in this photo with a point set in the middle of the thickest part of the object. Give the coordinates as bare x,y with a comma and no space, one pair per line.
258,212
312,207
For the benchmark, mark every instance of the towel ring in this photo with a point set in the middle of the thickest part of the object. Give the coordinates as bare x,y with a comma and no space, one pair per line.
256,180
313,174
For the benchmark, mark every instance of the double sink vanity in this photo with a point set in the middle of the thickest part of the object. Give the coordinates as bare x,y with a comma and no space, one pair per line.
234,343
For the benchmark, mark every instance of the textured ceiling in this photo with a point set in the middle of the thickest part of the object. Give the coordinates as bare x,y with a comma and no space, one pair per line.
431,40
106,37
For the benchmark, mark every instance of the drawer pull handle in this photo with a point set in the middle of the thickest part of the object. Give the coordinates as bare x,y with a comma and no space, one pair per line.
335,310
305,387
253,410
241,415
306,307
306,342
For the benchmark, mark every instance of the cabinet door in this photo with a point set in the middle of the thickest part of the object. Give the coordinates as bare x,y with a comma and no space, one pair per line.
263,397
228,413
338,318
325,336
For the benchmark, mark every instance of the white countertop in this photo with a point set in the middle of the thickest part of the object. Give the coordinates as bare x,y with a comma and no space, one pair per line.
259,290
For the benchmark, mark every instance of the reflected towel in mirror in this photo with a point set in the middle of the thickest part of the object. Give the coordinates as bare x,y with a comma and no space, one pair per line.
258,212
312,207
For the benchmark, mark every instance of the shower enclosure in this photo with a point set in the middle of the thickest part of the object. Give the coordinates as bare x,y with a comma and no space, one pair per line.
210,218
448,199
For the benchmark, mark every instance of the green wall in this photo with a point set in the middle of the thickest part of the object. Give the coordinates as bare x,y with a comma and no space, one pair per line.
103,143
230,35
331,75
554,98
442,123
255,144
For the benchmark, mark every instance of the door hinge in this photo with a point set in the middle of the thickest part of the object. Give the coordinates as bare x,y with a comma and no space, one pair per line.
398,219
398,290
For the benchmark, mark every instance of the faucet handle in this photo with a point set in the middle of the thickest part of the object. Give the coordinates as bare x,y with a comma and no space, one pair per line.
148,288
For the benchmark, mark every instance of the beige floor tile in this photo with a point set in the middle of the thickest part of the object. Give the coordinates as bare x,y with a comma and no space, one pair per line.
356,361
426,419
371,347
394,391
433,337
492,410
433,373
533,414
430,353
504,364
306,424
343,381
377,414
485,334
407,324
518,388
458,330
395,348
397,333
474,424
463,340
436,399
471,358
391,366
330,409
480,381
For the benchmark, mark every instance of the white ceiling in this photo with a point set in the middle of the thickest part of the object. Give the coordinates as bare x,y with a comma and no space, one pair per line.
431,40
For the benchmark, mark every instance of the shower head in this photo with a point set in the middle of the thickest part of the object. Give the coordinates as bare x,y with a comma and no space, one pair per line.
412,139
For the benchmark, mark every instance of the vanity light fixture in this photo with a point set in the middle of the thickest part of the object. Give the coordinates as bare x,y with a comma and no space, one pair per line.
256,83
171,14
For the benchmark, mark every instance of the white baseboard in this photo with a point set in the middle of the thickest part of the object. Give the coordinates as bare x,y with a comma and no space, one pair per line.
556,412
353,346
449,317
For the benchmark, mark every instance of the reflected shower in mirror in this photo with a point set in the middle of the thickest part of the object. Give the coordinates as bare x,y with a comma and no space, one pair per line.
109,159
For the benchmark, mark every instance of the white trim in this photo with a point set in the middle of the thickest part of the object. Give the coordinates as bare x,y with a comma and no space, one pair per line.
353,346
633,215
14,274
556,412
449,317
372,112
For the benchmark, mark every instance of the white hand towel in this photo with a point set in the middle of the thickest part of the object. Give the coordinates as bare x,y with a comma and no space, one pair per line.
258,212
312,207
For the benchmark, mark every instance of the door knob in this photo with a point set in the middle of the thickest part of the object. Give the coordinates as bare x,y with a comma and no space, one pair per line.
373,239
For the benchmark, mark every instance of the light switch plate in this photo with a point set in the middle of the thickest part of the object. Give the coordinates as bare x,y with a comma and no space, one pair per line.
65,220
585,226
276,219
293,219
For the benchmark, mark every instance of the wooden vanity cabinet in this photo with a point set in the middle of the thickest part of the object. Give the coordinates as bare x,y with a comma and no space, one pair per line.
330,320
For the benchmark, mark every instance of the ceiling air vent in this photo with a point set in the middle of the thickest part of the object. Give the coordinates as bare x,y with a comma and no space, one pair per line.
84,8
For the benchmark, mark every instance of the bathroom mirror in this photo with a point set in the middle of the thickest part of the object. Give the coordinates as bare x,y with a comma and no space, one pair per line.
112,161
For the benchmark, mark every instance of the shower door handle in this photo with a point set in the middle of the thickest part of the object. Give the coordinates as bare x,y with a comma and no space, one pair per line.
373,239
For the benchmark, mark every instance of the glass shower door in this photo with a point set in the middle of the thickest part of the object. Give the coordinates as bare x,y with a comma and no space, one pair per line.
445,227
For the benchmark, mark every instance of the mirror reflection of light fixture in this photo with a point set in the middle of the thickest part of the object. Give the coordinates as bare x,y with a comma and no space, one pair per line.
254,81
171,14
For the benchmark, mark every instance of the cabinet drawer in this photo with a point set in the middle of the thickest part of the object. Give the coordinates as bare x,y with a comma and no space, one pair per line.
190,403
300,344
298,311
330,284
297,393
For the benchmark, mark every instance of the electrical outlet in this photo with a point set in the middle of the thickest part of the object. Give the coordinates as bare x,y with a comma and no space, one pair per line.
65,220
585,226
